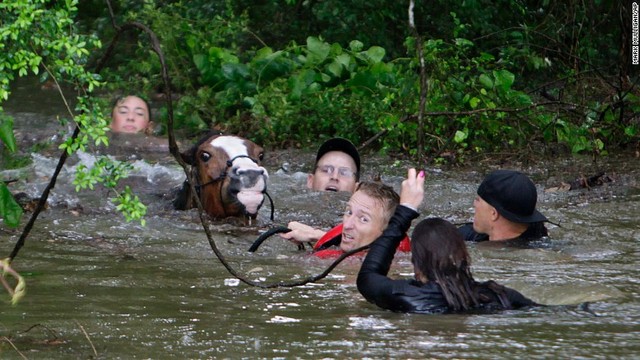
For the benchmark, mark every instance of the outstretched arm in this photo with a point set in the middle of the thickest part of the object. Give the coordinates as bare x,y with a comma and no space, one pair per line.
301,233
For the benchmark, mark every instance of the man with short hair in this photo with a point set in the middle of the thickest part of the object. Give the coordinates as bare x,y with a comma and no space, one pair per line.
505,209
337,167
366,216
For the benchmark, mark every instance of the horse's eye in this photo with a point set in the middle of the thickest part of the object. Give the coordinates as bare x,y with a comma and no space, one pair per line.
261,156
205,156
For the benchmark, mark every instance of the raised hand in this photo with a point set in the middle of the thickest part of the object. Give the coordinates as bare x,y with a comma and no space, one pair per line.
412,192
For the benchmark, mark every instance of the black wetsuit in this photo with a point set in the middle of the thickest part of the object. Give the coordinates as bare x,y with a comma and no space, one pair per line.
535,231
411,295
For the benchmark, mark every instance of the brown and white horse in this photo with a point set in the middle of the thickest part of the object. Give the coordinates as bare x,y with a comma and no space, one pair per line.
228,177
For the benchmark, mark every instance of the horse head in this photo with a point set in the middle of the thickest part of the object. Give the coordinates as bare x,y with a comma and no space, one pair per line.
228,176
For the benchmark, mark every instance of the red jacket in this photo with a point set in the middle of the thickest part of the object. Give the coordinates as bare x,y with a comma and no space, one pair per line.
323,248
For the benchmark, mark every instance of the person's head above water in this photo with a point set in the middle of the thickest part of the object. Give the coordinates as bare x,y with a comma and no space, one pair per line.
438,251
130,114
506,205
337,167
367,214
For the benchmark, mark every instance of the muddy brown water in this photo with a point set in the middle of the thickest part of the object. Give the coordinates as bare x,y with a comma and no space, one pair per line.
97,281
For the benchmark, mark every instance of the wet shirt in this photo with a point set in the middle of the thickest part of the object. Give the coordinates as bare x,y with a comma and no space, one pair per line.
413,296
535,231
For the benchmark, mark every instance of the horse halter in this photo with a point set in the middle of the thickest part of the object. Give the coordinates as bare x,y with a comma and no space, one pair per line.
224,173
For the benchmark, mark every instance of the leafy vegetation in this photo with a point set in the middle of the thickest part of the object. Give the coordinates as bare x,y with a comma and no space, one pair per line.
41,39
513,77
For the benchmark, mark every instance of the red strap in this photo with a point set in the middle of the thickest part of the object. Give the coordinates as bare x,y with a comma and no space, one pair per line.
329,253
329,235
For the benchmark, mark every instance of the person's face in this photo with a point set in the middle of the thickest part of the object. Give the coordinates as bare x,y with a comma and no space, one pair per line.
130,115
482,216
363,221
336,171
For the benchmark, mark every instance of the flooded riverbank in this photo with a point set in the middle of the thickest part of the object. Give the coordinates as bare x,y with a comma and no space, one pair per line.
100,287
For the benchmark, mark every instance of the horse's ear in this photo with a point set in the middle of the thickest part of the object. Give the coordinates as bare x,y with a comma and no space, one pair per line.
189,156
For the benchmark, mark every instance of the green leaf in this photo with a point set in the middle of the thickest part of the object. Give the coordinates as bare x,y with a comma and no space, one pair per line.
463,42
200,61
10,211
460,136
486,81
504,79
318,50
474,102
356,45
630,131
301,82
344,60
6,132
375,54
335,68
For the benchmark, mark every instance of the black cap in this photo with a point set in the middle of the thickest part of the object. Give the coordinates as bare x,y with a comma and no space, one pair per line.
343,145
513,194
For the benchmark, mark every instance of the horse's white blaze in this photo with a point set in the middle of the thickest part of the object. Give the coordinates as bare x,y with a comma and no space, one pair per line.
235,146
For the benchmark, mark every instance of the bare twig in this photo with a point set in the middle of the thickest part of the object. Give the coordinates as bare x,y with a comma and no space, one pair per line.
14,347
64,99
43,199
88,339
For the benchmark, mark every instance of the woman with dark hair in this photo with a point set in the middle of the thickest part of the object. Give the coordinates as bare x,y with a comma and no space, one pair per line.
443,281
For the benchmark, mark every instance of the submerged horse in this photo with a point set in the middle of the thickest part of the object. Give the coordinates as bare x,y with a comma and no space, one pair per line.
228,177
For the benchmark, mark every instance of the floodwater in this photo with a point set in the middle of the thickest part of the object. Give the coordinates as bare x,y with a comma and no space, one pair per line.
100,287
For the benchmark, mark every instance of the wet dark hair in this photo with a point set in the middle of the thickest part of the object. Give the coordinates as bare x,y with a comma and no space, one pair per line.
119,99
385,194
439,252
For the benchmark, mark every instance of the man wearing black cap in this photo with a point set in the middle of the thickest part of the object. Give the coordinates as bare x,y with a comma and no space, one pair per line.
505,209
337,167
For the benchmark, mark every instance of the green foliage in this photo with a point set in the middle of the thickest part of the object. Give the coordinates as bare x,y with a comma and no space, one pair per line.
6,132
10,210
130,206
327,90
109,172
290,72
93,124
193,35
104,170
36,35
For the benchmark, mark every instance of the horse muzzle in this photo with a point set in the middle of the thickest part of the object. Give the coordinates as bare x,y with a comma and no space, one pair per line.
249,186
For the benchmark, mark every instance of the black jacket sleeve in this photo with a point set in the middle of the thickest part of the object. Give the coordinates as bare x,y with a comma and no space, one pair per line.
373,282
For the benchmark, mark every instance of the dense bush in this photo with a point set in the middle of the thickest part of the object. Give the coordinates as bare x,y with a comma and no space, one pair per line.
292,72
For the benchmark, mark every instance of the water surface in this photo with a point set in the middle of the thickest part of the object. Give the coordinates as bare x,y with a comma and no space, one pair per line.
95,280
